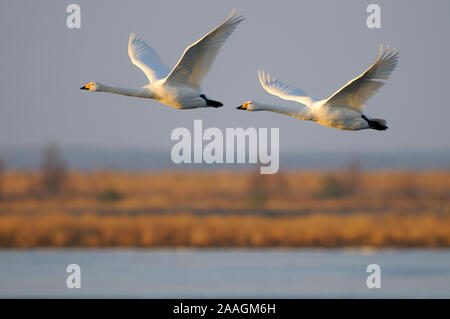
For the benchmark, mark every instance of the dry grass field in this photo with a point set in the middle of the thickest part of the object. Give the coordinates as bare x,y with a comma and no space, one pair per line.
227,209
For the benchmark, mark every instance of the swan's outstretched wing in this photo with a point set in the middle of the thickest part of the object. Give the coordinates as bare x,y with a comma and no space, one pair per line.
145,58
356,92
198,58
286,92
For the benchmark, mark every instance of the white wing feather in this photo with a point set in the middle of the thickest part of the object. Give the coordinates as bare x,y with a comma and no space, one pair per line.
198,57
145,58
286,92
355,93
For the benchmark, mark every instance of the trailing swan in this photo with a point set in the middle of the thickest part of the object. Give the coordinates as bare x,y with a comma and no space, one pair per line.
179,88
344,109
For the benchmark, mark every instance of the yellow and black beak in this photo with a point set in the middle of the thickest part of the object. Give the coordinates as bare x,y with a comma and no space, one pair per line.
87,86
242,107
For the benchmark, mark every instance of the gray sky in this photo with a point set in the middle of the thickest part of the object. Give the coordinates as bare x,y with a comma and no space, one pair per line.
315,45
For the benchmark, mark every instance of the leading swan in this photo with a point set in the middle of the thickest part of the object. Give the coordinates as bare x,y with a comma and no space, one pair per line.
344,109
179,88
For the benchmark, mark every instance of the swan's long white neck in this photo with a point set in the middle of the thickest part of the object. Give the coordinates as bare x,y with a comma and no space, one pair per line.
141,92
298,112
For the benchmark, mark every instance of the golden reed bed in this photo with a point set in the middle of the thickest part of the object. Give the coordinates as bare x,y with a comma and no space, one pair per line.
224,209
187,230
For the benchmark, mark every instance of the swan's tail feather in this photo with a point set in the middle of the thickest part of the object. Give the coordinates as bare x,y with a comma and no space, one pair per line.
376,124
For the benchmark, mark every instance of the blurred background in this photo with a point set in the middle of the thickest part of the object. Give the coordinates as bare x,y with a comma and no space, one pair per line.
88,179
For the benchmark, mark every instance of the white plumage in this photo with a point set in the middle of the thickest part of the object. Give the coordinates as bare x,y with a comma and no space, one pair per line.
145,58
342,110
179,88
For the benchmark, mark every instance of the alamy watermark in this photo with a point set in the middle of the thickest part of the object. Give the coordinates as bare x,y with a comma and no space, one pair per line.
221,147
73,280
73,20
373,21
374,279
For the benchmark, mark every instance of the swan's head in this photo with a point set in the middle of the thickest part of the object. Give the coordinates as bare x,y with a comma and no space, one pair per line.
248,106
93,86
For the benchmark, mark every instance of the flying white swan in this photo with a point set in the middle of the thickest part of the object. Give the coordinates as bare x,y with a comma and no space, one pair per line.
342,110
179,88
